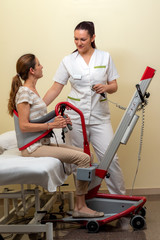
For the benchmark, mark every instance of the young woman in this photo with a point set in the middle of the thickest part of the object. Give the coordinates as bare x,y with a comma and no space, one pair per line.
92,75
26,100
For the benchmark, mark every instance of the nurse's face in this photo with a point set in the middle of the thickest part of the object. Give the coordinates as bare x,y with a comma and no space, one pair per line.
83,40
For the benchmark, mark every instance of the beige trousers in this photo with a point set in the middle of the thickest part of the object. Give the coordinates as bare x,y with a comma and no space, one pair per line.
67,154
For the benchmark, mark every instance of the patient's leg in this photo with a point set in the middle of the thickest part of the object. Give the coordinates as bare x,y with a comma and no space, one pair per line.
71,155
66,154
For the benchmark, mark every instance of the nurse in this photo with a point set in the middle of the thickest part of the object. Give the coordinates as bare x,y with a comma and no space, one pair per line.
92,75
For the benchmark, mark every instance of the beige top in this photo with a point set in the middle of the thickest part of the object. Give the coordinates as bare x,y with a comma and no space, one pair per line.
38,109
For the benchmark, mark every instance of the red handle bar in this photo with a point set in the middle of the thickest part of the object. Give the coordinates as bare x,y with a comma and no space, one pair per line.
85,144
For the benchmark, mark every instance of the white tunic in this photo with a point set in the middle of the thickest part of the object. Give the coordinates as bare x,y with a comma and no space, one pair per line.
82,77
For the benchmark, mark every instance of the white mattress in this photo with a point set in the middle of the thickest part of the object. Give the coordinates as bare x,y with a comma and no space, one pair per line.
44,171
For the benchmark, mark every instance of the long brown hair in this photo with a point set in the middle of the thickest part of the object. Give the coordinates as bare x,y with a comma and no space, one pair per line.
23,66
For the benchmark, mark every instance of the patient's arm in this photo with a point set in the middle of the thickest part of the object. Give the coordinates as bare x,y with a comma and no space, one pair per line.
26,126
48,117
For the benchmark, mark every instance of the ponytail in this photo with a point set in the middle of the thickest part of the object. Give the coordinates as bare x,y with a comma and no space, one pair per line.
16,83
23,66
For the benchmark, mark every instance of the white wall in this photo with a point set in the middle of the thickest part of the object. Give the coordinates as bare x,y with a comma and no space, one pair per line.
128,29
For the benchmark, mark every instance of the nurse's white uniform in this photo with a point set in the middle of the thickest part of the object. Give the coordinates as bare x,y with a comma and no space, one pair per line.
82,77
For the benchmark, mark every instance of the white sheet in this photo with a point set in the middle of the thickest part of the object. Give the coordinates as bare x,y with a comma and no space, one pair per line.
44,171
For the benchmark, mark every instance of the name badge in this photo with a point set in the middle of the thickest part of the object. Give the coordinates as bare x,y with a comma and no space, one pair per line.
77,77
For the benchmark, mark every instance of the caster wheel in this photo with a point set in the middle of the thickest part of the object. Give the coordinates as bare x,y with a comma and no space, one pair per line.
137,222
142,212
92,226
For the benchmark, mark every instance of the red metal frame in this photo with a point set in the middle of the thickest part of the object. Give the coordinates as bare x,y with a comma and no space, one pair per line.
85,144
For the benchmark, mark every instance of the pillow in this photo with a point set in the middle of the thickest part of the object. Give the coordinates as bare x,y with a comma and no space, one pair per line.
1,150
8,140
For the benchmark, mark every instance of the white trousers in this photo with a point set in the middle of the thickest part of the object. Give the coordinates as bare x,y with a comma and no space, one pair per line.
100,135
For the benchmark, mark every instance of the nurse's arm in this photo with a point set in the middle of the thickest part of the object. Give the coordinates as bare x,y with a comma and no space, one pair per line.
111,87
52,93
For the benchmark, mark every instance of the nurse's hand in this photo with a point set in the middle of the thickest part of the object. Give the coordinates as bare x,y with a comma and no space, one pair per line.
100,88
110,87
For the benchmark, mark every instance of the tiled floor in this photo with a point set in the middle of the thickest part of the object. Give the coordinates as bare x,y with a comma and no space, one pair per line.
117,230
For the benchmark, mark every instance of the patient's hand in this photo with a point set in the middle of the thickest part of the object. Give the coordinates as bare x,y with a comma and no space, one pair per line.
59,122
68,120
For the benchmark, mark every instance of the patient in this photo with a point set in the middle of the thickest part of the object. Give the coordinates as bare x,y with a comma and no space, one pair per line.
29,105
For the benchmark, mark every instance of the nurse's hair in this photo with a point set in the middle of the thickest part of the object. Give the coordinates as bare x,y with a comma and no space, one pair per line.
89,26
23,66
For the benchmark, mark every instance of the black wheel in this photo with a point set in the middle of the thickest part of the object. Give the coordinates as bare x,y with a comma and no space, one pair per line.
142,212
92,226
137,222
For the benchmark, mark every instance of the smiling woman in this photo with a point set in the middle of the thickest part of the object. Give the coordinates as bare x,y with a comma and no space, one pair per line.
92,75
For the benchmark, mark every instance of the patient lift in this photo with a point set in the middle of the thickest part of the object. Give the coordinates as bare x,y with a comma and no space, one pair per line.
113,206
